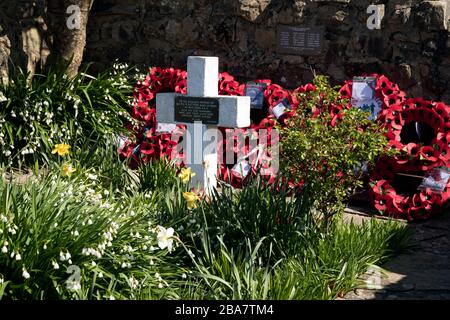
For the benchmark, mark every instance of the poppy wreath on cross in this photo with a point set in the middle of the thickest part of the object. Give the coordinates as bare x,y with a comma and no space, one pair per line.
149,142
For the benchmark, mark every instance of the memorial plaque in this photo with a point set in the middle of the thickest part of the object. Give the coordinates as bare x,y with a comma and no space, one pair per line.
300,40
191,109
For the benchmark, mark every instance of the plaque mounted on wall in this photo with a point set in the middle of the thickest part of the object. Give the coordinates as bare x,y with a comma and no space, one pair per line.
300,40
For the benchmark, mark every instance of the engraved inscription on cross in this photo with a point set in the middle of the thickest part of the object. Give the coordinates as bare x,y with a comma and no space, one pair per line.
200,110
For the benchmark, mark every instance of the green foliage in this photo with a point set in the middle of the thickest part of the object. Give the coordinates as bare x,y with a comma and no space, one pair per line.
324,267
40,111
102,223
93,234
52,223
326,143
254,213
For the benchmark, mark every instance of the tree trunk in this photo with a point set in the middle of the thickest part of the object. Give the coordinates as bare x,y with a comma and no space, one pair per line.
69,21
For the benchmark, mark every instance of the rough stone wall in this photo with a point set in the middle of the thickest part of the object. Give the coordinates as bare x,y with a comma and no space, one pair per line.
23,35
412,47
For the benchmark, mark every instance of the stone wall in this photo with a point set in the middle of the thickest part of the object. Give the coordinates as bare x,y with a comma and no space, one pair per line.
23,35
412,47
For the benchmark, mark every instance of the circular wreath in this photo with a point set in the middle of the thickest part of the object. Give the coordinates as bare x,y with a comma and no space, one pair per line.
394,192
418,130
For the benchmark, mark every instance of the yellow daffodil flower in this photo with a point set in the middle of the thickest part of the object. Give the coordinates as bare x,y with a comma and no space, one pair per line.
186,174
62,149
191,199
68,169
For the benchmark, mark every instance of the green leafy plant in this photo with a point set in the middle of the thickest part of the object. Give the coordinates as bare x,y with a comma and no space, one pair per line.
325,144
43,110
71,238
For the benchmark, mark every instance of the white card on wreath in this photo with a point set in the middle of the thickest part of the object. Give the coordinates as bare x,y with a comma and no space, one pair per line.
372,106
165,127
363,96
363,88
435,179
242,168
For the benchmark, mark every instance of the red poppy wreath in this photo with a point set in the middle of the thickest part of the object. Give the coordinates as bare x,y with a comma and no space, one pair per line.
419,131
150,142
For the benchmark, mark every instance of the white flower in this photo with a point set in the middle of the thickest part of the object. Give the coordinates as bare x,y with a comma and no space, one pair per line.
25,273
73,285
55,265
92,176
5,249
18,257
2,97
165,238
160,285
64,256
184,276
133,283
100,275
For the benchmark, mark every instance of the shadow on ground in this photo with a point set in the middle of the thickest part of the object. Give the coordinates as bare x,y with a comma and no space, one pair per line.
423,273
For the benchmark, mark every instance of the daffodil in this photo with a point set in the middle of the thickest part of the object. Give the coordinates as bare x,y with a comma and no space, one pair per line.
165,238
186,174
62,149
68,169
191,199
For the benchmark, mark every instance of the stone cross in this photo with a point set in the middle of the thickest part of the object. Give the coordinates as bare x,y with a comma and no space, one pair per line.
200,110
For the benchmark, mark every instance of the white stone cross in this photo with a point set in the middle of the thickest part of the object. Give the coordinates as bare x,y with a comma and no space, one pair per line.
233,112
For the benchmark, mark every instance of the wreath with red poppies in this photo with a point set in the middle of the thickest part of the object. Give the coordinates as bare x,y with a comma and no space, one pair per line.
148,144
418,130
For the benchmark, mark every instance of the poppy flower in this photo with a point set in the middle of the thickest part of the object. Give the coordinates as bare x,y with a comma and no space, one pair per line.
346,91
381,202
412,149
383,82
429,153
